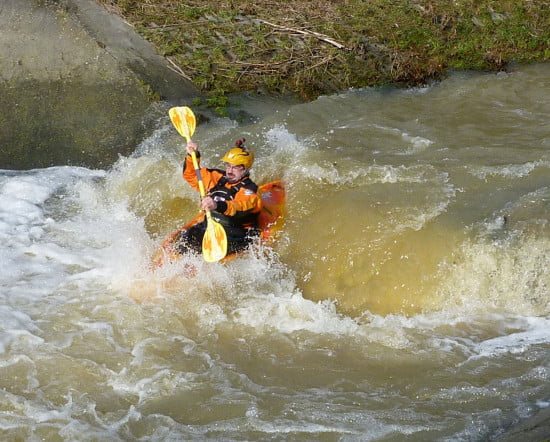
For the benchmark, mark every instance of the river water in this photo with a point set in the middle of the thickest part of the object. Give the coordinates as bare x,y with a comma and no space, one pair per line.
407,297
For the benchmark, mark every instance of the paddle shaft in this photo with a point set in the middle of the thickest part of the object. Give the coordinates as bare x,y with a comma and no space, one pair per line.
202,191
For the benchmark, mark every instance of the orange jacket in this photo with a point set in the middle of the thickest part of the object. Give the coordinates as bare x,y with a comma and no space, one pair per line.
240,208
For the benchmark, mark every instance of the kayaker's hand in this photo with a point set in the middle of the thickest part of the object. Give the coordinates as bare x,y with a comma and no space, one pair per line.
191,147
208,203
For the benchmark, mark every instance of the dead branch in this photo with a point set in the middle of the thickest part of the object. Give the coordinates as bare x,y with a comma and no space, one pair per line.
174,67
317,35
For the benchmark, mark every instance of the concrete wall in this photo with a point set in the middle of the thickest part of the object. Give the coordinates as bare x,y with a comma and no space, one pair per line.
72,82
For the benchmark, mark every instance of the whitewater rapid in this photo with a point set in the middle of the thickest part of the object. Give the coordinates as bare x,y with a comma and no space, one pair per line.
407,295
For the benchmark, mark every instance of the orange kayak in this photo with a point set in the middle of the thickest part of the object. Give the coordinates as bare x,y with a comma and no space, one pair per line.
270,221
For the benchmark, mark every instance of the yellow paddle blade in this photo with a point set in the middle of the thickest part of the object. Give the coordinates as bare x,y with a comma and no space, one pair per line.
183,120
214,242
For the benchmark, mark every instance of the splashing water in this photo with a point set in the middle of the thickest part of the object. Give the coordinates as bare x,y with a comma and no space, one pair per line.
408,295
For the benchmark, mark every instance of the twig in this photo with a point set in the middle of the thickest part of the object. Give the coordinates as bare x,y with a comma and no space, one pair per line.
306,32
177,69
324,61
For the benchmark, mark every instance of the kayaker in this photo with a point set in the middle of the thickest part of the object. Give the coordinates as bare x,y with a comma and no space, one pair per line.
231,196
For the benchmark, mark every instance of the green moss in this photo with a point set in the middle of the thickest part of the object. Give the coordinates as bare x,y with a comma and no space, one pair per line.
152,95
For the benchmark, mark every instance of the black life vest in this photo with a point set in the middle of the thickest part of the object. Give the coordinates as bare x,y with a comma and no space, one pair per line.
241,222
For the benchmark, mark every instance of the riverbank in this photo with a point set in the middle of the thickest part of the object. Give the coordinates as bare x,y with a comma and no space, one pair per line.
320,47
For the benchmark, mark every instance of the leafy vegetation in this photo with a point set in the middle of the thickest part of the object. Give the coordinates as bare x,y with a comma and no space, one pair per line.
316,47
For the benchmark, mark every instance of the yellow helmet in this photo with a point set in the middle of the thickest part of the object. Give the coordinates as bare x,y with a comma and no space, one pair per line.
239,156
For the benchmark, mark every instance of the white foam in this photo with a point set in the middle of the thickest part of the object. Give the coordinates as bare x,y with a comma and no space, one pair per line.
26,223
15,325
418,144
292,313
534,331
508,170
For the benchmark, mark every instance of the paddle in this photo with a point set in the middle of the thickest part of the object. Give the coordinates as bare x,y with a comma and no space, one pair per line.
214,242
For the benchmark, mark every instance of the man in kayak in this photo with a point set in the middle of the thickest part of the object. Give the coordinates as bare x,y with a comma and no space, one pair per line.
231,196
